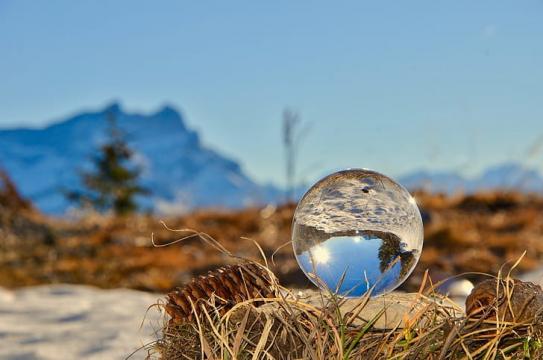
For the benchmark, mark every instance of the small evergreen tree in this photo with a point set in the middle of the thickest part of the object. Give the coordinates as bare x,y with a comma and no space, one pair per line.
113,184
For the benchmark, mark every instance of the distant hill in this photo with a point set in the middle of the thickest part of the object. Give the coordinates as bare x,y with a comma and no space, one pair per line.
181,172
507,176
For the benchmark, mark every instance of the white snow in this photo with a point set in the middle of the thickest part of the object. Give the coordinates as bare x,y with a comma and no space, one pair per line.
76,322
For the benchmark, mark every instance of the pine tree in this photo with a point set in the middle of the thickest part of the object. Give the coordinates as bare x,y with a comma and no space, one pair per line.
113,184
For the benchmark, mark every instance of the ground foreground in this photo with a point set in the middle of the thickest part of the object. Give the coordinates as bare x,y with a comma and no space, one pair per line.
482,233
81,322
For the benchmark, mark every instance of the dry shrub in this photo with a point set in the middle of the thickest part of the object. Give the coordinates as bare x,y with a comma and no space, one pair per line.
25,238
287,327
10,197
504,322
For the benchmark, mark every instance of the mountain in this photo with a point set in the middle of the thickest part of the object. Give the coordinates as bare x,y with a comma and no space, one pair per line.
180,171
511,176
445,182
507,176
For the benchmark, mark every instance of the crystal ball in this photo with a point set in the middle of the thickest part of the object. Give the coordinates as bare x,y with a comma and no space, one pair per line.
357,230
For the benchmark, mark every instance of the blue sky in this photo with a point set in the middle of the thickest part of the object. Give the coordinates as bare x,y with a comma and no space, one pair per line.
393,86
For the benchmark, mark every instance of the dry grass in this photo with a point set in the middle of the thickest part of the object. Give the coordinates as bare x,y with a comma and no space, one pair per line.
289,328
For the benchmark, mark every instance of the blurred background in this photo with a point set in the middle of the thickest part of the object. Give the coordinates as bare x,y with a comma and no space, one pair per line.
218,116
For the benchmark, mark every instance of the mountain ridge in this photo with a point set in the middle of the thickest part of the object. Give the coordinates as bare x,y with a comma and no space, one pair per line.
180,171
504,176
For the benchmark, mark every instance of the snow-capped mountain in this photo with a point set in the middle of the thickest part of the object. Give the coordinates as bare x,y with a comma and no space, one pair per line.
507,176
179,170
510,176
445,182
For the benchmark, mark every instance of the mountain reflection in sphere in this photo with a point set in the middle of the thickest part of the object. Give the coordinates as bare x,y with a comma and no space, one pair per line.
357,229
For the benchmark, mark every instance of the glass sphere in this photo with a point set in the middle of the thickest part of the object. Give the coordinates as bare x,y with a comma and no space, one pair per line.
357,230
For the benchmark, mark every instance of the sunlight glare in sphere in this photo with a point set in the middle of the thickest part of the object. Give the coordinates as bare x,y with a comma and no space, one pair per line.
321,255
357,229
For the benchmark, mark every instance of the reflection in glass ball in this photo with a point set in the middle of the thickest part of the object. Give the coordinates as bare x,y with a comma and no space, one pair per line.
357,229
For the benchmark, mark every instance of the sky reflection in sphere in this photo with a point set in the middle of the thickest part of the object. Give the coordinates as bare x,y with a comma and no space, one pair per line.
357,229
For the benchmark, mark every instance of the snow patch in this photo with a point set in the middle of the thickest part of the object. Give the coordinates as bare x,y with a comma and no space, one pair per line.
75,322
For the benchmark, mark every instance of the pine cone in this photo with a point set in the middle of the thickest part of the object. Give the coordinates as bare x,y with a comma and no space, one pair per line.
220,290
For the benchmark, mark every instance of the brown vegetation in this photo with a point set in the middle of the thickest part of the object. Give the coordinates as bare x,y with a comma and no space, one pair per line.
475,233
